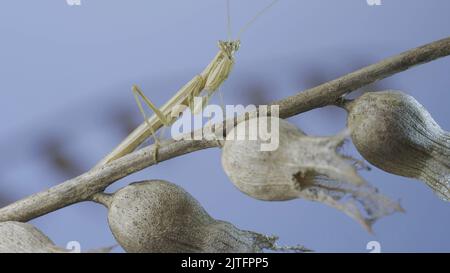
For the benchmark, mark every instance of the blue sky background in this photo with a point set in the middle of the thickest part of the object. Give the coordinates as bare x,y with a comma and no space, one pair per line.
66,73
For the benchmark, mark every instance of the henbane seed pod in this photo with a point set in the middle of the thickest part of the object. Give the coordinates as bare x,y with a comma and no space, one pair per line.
396,133
303,167
158,216
16,237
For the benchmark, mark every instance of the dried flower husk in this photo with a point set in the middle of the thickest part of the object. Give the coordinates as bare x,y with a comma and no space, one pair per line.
159,216
396,133
304,167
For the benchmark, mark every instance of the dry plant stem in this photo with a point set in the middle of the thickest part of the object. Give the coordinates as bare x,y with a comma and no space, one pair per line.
84,187
327,93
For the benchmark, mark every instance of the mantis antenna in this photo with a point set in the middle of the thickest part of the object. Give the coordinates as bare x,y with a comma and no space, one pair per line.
228,21
249,23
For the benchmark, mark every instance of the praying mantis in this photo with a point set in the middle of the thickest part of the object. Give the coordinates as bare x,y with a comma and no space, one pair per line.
208,81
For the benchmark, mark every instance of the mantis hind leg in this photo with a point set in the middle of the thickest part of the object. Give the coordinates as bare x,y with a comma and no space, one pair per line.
222,102
137,92
224,115
205,101
196,109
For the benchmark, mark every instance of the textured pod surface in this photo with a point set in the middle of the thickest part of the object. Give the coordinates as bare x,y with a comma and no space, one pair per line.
16,237
303,167
158,216
396,133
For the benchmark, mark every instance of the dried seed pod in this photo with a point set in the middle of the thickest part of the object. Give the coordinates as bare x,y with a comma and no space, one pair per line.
158,216
16,237
394,132
303,167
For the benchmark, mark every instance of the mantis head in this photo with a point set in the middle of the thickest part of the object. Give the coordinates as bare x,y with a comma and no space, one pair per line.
229,47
